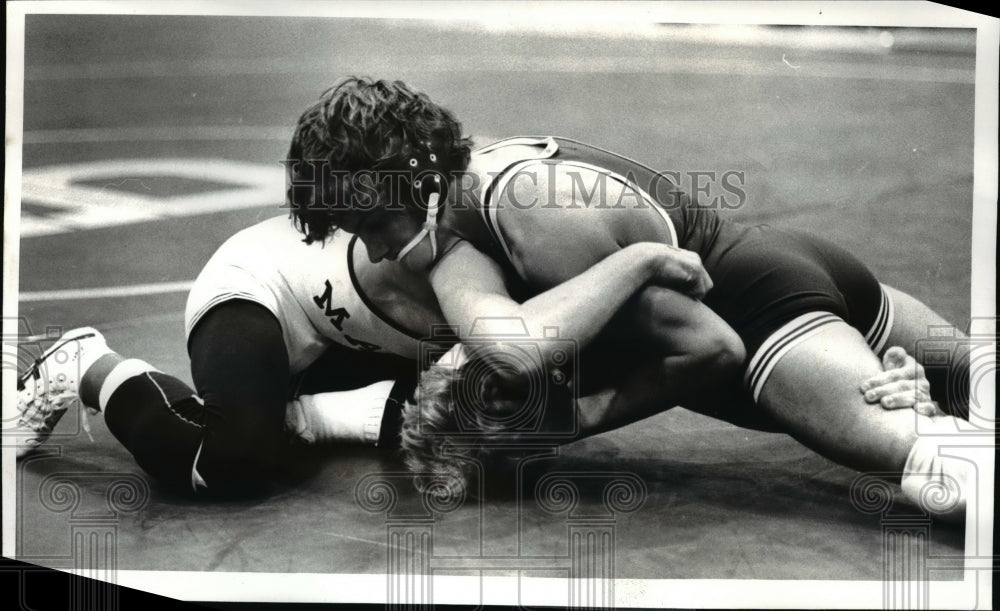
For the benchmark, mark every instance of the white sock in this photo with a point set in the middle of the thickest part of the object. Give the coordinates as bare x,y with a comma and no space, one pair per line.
937,483
129,368
93,353
344,416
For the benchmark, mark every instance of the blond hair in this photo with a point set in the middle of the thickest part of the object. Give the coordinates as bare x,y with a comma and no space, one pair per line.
433,444
459,427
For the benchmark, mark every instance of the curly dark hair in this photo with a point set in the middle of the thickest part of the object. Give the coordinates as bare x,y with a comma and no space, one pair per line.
360,125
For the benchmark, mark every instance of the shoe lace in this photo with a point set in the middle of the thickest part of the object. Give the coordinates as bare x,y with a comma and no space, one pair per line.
33,370
43,409
85,421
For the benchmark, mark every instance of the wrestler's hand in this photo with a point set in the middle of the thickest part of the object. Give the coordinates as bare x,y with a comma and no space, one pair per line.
901,384
679,269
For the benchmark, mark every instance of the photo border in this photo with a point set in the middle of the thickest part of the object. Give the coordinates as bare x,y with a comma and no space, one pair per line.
976,587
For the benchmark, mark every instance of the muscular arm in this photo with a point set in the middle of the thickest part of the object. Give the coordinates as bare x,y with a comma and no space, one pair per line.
586,277
471,291
564,234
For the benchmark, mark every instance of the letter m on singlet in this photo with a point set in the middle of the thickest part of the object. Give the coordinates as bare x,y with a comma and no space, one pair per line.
337,315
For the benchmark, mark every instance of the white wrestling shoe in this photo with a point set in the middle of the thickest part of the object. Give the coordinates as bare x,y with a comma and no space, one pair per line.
47,389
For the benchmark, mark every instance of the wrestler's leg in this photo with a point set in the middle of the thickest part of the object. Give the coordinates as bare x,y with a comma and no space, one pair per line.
812,392
675,351
940,347
646,391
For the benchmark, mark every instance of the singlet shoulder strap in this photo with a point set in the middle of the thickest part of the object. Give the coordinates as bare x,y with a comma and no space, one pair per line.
495,162
550,145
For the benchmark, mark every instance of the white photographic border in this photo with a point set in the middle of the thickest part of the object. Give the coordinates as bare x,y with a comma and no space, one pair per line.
974,591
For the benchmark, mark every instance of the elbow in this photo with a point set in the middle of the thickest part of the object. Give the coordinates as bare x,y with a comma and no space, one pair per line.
723,355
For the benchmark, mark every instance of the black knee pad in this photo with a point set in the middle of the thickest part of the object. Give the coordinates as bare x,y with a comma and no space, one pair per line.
240,464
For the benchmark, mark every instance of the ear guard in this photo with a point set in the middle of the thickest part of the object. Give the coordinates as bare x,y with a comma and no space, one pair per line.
430,223
426,162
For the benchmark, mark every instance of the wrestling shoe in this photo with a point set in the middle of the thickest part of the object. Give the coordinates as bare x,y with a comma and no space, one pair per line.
52,384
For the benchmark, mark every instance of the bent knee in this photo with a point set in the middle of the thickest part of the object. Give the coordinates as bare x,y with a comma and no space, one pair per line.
730,355
240,467
722,353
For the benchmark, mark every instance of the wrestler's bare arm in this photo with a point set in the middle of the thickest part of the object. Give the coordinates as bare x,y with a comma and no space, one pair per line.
470,289
556,233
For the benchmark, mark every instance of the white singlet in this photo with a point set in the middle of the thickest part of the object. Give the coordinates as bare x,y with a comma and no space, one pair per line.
312,290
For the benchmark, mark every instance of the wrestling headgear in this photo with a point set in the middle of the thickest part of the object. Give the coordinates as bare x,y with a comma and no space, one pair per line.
423,167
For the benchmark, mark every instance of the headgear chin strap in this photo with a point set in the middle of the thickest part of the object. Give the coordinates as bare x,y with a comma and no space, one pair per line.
430,224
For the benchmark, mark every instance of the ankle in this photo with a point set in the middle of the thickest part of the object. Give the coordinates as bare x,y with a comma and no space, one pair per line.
94,377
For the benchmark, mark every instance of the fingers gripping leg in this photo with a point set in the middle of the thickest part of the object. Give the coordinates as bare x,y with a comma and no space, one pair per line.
924,334
813,392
